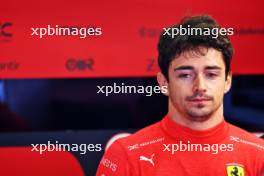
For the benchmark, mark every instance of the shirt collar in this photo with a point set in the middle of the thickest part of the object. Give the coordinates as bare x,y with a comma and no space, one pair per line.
212,135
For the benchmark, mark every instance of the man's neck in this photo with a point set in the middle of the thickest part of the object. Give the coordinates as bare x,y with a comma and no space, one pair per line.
215,119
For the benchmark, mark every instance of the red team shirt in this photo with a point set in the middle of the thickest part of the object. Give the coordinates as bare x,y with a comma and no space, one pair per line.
169,149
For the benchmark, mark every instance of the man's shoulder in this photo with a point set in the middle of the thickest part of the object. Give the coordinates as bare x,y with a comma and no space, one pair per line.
149,135
239,135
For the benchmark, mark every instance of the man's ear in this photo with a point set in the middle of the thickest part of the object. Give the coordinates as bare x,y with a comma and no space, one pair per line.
163,83
228,82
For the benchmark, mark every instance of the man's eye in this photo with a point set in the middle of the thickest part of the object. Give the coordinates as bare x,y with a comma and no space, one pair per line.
184,75
211,75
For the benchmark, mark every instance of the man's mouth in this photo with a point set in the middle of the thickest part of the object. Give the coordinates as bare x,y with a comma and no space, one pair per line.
200,99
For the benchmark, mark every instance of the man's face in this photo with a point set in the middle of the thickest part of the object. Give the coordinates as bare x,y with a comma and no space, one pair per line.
197,83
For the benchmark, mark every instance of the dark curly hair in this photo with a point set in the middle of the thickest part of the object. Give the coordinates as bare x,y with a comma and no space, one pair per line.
170,47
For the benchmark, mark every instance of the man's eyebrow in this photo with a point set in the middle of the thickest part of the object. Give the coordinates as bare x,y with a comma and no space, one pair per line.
183,68
213,68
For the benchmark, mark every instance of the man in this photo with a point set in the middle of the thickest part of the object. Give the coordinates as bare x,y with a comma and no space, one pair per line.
193,138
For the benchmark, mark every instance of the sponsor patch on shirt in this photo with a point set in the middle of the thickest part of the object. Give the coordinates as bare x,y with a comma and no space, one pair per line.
137,146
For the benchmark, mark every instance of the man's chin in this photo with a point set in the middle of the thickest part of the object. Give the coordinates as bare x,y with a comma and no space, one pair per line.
199,116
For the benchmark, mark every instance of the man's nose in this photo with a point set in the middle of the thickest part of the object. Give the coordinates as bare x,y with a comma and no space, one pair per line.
199,84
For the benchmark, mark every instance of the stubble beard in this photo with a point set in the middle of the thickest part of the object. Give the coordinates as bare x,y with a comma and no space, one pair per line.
199,114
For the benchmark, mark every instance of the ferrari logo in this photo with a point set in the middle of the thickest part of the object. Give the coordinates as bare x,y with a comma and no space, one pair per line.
234,169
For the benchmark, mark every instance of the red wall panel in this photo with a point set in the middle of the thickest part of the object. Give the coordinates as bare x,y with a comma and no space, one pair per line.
127,46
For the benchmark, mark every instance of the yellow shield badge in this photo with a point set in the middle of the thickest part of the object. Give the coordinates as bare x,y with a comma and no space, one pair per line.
234,169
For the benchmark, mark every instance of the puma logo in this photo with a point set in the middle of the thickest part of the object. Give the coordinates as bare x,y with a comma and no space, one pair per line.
143,158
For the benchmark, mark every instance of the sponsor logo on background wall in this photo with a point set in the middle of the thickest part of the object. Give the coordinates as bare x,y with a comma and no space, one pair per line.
9,66
80,64
5,32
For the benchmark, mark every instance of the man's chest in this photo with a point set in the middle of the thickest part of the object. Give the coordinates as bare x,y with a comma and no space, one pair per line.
190,163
